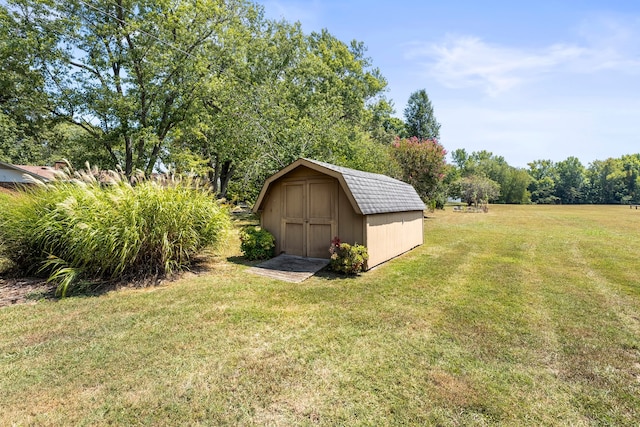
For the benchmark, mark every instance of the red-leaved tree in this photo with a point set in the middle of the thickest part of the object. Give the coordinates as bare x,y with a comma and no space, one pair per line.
423,165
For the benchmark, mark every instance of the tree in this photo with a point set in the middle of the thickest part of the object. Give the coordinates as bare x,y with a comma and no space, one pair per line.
571,181
420,119
513,182
128,72
24,118
514,188
296,95
423,165
381,125
613,180
209,87
542,186
478,189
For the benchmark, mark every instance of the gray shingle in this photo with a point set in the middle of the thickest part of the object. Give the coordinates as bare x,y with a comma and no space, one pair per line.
375,193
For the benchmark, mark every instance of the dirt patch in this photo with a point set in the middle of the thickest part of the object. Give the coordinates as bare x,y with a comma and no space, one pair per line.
25,290
20,290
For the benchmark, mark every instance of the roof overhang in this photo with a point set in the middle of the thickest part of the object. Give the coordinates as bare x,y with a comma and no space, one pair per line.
25,172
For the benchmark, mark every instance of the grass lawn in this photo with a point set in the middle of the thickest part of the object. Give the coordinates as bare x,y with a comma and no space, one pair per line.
527,315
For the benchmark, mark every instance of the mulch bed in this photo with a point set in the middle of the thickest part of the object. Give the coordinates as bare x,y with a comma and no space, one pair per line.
25,291
22,290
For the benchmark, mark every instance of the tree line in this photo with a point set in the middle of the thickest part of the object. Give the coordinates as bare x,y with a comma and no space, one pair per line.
610,181
211,88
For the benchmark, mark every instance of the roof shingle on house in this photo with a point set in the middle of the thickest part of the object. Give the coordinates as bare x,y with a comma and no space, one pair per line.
43,173
372,193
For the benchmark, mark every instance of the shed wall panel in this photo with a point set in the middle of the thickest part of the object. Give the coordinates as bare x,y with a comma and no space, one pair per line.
391,234
271,216
350,223
301,211
302,172
294,238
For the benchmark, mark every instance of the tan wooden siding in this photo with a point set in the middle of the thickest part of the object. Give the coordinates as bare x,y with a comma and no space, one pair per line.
301,211
350,223
293,217
271,217
322,216
391,234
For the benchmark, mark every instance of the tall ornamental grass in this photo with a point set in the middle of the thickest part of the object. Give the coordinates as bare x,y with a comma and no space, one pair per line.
107,228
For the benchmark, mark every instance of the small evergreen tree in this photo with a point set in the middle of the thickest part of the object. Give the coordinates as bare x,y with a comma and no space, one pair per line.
419,117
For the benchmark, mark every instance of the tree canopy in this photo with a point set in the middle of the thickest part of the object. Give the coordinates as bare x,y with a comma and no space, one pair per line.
420,118
423,165
512,182
214,88
211,87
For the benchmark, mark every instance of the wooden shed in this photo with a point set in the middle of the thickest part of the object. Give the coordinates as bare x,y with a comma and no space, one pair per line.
308,203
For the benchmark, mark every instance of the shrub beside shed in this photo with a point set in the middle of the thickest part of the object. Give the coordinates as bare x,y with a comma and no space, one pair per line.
308,203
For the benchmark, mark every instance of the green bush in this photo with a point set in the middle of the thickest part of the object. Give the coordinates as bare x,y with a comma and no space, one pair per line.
257,243
80,228
346,258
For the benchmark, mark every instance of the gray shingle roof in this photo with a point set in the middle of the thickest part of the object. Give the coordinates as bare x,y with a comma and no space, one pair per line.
375,193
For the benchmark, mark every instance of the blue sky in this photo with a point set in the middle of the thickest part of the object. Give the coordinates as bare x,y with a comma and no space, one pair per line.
526,80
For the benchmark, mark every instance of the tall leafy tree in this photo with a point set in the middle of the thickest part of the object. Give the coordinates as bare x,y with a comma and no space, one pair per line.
512,182
294,95
478,189
613,181
210,87
419,117
423,165
128,72
571,181
24,118
542,186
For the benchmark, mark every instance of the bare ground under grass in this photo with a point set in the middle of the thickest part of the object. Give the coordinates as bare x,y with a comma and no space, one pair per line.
24,290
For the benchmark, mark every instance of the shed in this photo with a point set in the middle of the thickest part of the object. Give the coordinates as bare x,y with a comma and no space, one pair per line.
308,203
12,175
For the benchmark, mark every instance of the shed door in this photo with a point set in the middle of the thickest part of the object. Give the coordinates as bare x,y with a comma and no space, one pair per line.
293,220
309,217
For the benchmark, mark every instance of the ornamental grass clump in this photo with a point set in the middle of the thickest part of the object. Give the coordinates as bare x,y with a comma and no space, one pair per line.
100,226
346,258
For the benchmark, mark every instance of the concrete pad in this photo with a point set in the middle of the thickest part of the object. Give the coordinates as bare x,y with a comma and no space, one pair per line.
289,268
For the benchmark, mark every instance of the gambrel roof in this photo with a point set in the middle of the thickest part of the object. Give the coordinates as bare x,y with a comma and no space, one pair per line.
369,193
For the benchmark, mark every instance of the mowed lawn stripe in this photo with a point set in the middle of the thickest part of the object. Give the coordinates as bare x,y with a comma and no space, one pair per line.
498,319
508,318
598,349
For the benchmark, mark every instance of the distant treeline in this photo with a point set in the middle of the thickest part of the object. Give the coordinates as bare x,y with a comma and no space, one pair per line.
610,181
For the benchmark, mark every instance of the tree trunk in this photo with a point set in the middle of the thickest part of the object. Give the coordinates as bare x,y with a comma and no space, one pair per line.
214,172
128,165
225,176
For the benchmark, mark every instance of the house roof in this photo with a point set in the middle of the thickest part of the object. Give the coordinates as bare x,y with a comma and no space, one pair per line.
369,193
45,173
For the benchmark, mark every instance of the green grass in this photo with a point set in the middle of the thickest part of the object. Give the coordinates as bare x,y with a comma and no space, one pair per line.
523,316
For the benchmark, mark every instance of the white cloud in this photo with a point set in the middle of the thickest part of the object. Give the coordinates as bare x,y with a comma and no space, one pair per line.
468,61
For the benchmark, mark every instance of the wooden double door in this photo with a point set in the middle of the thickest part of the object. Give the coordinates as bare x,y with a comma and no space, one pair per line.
309,220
